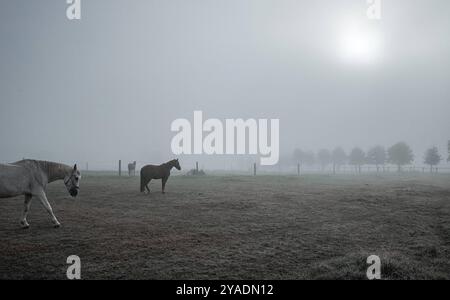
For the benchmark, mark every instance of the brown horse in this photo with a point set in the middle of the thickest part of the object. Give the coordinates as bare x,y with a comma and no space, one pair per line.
162,172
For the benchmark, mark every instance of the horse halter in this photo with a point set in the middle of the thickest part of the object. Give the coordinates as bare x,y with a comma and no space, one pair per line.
69,179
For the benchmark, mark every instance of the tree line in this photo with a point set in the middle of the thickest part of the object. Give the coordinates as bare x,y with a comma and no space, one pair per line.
399,154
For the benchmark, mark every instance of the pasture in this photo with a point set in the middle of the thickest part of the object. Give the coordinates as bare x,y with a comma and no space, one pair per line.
235,227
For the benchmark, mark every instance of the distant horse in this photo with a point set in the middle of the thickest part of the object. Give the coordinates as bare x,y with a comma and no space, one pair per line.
132,169
31,177
162,172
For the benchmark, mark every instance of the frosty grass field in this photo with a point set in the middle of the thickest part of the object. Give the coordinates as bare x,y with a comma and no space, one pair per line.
236,227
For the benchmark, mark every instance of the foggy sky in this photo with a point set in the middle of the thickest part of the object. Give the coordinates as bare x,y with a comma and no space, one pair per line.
107,87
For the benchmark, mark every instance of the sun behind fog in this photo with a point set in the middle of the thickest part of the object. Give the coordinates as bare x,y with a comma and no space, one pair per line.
359,43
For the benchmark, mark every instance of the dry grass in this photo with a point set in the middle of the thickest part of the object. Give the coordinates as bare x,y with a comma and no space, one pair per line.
236,227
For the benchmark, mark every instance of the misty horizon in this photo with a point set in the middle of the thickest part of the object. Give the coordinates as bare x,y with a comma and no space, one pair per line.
107,87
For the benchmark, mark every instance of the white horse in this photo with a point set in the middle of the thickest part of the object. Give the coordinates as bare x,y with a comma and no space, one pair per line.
31,177
132,169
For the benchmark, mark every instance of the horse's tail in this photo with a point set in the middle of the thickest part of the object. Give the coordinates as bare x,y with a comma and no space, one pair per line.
142,182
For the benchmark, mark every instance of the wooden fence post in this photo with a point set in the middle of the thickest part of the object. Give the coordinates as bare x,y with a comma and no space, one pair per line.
120,168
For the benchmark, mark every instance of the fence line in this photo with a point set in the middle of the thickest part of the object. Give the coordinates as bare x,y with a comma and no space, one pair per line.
293,169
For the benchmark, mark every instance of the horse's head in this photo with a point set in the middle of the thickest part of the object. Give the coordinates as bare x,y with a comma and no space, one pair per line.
72,181
176,164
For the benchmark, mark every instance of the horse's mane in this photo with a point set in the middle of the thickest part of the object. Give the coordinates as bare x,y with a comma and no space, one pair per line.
53,170
170,162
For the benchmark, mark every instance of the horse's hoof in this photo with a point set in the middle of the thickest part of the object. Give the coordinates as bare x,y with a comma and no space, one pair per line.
24,225
56,225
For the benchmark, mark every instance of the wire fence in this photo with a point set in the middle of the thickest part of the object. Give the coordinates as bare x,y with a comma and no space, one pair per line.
120,168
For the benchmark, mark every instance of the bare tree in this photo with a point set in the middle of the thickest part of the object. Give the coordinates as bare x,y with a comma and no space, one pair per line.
448,150
377,156
309,158
432,158
298,155
303,158
339,158
357,158
324,157
400,154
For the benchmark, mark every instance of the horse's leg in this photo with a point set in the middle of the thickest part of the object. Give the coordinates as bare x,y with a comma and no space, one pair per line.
43,198
26,209
146,186
164,180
